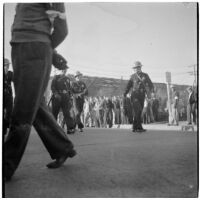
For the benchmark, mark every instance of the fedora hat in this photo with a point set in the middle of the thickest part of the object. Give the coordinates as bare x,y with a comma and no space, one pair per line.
137,64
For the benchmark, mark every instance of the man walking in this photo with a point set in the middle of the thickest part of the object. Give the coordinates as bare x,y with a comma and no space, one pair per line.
140,85
61,99
32,43
80,90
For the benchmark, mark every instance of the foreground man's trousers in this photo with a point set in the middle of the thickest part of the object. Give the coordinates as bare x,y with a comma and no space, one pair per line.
32,66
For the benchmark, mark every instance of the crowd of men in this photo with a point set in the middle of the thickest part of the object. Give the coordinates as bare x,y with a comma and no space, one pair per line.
104,112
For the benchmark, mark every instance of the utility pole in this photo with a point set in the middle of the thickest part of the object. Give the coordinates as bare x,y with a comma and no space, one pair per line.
194,73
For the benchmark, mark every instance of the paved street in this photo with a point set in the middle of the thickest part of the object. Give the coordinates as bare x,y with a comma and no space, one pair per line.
112,163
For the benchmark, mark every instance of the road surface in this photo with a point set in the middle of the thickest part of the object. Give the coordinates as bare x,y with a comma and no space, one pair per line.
112,163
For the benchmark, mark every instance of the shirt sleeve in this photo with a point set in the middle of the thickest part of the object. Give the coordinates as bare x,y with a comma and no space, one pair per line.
60,26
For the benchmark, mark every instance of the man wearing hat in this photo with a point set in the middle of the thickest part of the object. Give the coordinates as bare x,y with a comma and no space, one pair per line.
140,85
174,106
191,106
80,90
61,99
8,96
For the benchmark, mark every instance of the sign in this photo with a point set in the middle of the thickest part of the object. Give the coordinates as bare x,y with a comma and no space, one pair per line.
168,77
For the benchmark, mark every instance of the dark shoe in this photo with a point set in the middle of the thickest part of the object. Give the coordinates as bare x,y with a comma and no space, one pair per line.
81,130
59,162
8,173
141,130
71,131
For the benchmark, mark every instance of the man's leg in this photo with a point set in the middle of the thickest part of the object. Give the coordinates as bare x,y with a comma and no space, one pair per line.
51,134
30,82
68,117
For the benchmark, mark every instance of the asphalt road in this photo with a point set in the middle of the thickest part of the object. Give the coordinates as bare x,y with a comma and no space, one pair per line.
112,163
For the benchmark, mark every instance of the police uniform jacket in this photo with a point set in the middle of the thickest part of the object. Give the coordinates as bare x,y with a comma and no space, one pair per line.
61,85
79,87
140,83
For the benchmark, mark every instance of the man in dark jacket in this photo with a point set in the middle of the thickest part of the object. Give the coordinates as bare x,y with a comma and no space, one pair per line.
61,99
140,85
191,106
32,43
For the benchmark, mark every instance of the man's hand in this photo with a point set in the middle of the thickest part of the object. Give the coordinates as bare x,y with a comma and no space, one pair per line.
52,14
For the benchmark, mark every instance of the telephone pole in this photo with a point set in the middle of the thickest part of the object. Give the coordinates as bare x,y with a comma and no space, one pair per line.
194,72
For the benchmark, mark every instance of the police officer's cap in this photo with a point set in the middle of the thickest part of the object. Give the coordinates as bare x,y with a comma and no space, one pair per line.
78,74
6,61
137,64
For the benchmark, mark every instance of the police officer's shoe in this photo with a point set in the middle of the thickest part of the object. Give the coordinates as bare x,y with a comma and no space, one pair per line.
70,131
141,130
59,161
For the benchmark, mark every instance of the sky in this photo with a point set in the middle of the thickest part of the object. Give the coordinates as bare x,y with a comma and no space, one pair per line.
105,39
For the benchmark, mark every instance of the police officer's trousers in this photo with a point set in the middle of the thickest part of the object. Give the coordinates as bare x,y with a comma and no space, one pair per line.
65,104
78,107
32,67
137,105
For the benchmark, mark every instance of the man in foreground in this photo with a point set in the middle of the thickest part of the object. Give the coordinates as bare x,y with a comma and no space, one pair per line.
33,42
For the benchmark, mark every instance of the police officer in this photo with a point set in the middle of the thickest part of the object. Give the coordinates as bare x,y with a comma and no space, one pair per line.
61,99
8,96
140,85
80,90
